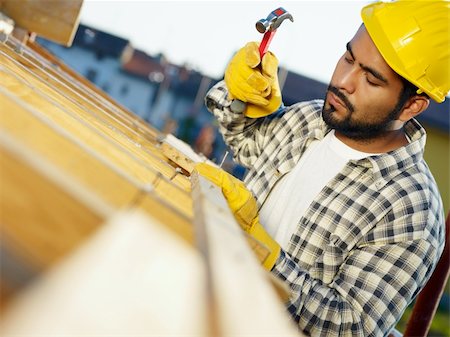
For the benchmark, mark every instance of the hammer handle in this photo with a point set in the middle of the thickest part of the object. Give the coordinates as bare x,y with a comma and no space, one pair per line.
264,46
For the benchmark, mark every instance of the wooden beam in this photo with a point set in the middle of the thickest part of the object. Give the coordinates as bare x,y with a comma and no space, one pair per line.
44,214
55,20
37,120
87,161
243,301
132,277
73,84
46,210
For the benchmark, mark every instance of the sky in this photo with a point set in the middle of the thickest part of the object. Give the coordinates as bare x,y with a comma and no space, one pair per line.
206,34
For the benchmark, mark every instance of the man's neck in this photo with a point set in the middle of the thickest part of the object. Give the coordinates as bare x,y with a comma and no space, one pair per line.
388,141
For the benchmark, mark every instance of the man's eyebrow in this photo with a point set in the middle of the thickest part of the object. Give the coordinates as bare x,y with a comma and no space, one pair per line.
375,73
349,49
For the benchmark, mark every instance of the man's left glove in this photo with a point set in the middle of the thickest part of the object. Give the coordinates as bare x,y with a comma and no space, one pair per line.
254,80
243,206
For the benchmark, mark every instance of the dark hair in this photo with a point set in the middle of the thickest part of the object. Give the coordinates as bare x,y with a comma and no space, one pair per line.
409,90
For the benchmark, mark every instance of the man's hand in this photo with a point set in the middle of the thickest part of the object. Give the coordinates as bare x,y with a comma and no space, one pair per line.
254,81
243,206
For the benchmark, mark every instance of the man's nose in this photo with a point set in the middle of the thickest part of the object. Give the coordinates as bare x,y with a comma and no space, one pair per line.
347,80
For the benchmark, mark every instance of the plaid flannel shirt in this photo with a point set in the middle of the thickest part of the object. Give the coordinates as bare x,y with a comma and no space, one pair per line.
368,242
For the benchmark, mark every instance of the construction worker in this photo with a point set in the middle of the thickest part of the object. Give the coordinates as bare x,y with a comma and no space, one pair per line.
338,188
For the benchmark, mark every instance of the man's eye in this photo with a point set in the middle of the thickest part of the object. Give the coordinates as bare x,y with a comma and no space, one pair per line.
371,83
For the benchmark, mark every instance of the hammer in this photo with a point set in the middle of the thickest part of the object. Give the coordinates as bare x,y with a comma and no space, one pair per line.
269,25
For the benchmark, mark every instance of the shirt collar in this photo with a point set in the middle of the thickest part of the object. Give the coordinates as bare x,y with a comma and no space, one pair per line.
387,165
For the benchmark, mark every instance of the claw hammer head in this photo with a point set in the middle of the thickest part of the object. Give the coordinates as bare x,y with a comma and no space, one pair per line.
269,25
273,20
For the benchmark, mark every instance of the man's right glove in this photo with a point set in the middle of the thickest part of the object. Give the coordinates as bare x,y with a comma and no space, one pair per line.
243,206
253,81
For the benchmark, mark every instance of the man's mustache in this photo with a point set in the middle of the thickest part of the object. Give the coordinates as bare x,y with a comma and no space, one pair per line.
342,97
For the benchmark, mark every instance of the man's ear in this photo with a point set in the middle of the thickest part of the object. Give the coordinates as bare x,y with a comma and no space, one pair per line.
413,107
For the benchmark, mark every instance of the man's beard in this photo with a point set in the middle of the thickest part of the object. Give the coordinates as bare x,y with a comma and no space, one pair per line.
357,130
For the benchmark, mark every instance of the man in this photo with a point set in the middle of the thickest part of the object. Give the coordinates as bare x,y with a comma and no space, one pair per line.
340,192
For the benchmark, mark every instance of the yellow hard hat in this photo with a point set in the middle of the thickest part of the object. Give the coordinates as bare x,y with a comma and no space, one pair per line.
414,39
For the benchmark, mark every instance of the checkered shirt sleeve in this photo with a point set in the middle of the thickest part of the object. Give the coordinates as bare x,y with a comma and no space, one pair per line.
369,241
250,138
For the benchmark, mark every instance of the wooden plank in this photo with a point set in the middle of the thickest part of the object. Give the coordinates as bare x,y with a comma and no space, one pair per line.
181,153
79,84
46,92
43,125
116,186
79,88
131,278
37,206
41,220
177,157
134,129
57,92
45,212
69,156
55,20
244,302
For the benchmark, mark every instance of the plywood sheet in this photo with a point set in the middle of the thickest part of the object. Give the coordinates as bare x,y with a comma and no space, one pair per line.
56,20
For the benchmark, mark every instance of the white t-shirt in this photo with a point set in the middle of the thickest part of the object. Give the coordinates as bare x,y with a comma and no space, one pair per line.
292,195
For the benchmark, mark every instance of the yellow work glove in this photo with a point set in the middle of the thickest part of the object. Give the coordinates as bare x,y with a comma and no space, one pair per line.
243,206
253,81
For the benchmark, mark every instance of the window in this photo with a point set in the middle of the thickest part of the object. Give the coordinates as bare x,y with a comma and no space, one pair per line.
124,89
91,75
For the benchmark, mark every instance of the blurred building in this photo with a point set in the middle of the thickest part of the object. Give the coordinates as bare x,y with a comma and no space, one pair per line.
168,96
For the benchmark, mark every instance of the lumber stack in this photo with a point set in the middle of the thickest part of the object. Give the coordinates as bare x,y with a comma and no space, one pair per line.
105,229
